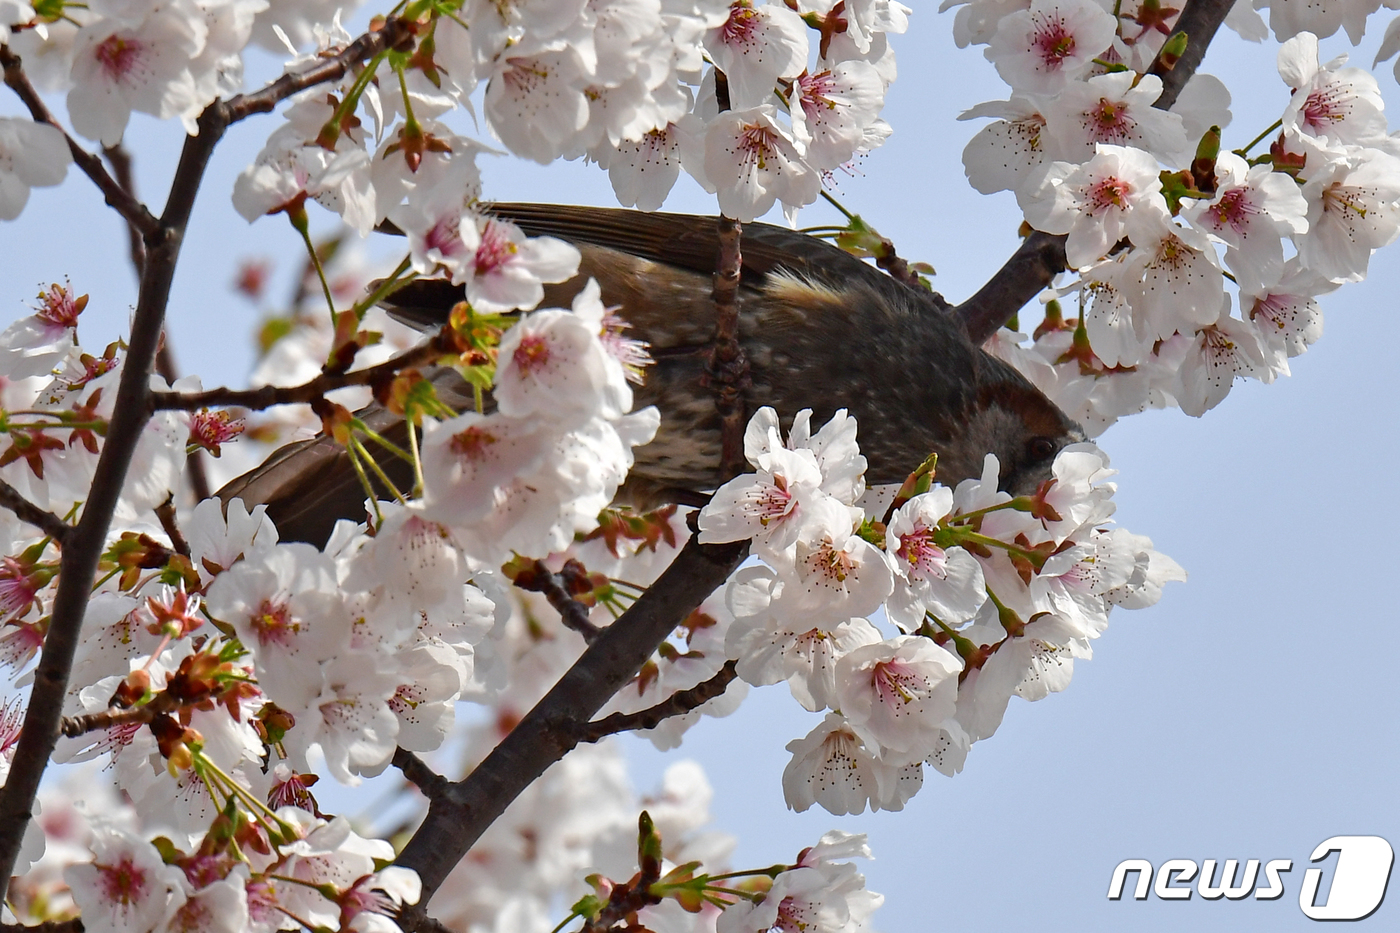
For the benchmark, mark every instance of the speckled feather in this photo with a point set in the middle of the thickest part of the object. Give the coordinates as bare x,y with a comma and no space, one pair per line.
821,330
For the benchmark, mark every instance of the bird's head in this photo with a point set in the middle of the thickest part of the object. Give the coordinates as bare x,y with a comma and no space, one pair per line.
1016,421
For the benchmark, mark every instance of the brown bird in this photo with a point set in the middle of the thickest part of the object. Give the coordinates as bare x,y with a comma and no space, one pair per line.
820,328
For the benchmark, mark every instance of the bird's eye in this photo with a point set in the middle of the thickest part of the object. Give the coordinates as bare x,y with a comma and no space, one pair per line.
1041,448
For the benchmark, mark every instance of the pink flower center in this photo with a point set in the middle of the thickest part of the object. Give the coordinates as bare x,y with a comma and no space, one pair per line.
11,721
925,558
474,444
1326,106
495,249
210,429
772,501
59,307
124,882
831,566
1053,42
273,624
118,56
895,684
757,144
1109,121
445,236
532,354
1233,210
17,587
813,90
742,25
1108,193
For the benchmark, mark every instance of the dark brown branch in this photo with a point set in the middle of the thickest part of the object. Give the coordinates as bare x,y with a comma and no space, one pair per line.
677,704
416,770
1200,20
48,926
136,213
457,819
396,33
727,371
47,522
74,726
1042,255
166,513
307,392
85,542
573,613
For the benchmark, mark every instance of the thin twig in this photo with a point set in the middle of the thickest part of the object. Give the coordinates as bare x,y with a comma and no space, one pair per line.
48,926
47,522
168,521
118,199
74,726
84,544
677,704
573,613
307,392
394,34
120,160
1041,256
457,819
416,770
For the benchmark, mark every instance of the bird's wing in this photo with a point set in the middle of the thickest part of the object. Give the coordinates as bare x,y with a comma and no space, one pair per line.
686,241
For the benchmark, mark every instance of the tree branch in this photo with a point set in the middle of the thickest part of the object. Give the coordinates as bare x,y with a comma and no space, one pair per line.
47,522
457,819
416,770
136,213
1041,256
120,160
394,34
85,542
727,370
677,704
1200,20
307,392
573,613
48,926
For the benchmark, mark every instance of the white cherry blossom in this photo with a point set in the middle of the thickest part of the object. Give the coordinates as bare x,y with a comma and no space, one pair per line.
896,694
1042,49
32,155
754,47
1091,202
832,768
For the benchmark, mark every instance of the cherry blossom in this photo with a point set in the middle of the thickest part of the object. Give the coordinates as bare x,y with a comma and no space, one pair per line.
1115,109
1042,49
1091,202
1342,106
831,767
896,694
1003,154
1253,209
32,155
754,47
752,161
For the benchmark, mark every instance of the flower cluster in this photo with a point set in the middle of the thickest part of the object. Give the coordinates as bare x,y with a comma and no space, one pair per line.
756,101
1081,143
993,596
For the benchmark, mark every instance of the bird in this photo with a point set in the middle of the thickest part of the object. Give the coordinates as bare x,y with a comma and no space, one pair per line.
820,329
